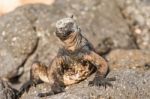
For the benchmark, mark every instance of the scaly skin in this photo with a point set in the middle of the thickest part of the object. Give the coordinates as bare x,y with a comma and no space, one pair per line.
75,61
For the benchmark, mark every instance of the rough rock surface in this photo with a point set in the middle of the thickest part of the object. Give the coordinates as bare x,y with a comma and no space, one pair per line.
6,92
130,84
137,15
16,43
128,58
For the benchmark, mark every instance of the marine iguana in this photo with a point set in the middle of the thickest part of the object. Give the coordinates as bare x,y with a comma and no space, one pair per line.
75,61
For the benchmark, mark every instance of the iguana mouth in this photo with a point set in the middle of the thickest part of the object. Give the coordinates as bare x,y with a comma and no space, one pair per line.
63,35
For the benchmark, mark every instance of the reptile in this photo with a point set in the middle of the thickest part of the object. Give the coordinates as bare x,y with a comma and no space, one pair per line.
75,61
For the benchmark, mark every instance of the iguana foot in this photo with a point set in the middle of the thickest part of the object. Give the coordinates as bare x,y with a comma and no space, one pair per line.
25,87
55,90
99,81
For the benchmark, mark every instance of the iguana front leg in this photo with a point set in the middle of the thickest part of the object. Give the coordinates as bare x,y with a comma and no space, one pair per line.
55,76
102,69
51,75
34,77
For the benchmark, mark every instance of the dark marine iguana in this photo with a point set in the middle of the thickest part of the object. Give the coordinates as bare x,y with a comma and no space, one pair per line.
75,61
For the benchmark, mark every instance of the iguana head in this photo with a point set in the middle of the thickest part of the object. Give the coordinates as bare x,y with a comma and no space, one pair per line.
65,27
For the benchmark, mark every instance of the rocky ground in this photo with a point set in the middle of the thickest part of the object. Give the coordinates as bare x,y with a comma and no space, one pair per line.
118,29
